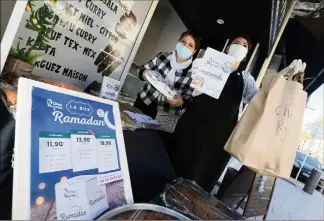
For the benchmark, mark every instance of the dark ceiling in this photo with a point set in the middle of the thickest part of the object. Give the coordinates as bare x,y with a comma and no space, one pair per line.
302,40
303,37
251,17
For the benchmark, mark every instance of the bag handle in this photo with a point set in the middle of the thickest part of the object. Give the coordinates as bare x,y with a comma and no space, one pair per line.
296,72
299,77
289,75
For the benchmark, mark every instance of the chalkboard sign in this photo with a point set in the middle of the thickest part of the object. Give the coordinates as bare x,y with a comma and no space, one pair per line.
260,196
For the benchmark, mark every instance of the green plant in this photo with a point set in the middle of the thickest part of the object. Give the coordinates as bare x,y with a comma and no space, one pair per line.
21,55
43,21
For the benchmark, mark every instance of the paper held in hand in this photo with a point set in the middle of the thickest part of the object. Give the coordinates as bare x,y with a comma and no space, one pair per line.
156,80
211,72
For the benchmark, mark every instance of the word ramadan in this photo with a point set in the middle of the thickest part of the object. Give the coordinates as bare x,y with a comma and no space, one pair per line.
59,117
93,202
64,216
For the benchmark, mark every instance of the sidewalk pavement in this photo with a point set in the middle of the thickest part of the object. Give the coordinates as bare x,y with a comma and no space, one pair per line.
290,202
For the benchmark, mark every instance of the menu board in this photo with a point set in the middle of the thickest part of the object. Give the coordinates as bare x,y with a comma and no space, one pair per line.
70,158
79,41
259,196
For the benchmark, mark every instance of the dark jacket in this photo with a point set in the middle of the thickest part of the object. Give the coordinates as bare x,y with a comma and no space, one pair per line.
197,145
7,139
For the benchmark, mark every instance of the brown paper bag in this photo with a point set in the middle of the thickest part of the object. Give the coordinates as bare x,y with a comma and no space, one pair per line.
266,137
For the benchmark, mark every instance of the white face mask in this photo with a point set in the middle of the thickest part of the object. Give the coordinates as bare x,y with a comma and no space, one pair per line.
237,51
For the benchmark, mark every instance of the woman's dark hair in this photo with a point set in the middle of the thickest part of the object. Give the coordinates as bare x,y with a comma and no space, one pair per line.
247,38
195,37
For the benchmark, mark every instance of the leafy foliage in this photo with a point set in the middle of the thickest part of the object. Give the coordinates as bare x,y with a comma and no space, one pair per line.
20,55
305,136
43,21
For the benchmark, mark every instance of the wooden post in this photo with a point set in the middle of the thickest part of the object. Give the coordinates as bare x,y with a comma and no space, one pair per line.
268,59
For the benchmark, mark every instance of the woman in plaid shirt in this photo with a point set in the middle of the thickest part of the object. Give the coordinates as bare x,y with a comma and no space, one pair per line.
174,68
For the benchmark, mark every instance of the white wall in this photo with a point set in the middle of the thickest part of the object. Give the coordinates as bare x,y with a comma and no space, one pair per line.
170,34
162,33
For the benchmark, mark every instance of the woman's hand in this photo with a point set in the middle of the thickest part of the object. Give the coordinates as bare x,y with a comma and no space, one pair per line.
176,101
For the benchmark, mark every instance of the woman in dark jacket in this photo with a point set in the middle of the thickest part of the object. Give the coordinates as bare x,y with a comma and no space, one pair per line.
196,149
173,67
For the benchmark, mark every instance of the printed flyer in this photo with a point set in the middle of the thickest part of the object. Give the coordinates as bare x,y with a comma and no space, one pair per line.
71,147
79,41
109,88
211,72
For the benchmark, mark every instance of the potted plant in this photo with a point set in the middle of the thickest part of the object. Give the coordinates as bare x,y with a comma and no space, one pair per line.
42,21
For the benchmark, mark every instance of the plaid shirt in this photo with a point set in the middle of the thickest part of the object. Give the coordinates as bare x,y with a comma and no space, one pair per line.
161,64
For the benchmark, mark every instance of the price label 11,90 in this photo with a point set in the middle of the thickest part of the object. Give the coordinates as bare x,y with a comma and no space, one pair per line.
84,150
107,153
54,152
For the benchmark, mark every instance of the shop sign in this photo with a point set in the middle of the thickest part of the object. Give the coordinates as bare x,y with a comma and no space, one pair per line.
79,41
